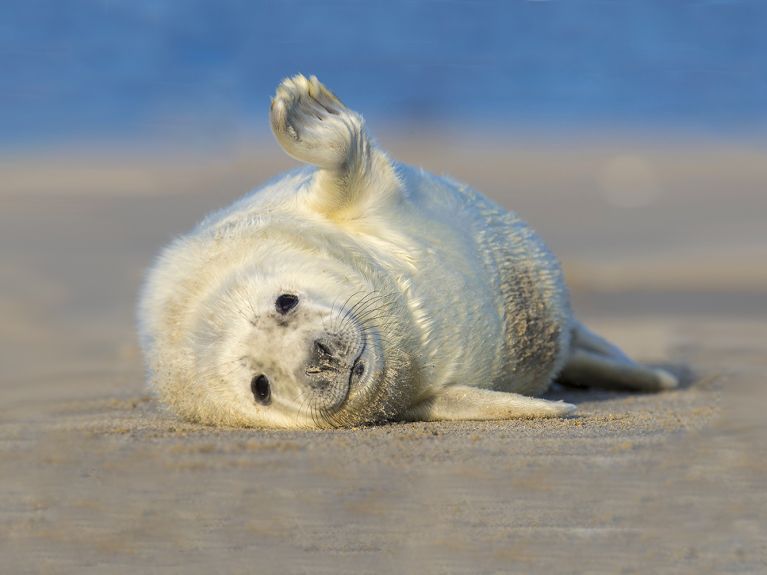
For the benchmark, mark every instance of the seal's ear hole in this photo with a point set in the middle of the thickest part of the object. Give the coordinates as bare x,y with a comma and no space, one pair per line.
261,389
286,302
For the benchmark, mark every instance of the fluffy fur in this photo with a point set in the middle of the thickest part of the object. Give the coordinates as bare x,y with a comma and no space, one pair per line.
452,305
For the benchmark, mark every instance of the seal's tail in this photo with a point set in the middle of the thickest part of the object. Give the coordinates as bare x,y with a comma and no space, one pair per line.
595,362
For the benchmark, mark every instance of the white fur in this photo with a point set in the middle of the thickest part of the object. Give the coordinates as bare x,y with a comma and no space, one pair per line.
452,299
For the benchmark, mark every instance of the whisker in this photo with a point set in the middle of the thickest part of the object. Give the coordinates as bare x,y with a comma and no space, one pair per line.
252,310
347,303
364,301
364,308
370,314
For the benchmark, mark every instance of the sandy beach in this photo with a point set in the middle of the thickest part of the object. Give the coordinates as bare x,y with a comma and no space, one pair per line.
664,247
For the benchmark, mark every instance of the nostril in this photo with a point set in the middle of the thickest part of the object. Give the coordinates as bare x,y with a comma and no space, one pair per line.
322,349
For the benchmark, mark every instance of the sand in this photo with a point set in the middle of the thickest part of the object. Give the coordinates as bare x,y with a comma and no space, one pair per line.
664,246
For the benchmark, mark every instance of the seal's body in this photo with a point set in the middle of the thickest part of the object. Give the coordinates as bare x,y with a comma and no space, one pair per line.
362,291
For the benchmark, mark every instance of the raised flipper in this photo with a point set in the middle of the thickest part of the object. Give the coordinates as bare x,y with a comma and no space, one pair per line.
461,402
314,126
595,362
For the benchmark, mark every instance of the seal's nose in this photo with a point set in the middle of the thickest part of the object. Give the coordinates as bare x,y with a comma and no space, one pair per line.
325,364
325,356
331,369
323,351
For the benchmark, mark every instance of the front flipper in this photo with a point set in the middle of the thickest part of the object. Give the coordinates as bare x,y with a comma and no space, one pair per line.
314,126
461,402
594,362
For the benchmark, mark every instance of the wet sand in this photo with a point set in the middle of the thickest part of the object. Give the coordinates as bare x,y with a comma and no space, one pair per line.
664,248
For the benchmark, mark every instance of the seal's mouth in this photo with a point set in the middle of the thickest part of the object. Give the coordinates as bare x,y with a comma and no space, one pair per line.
358,368
356,373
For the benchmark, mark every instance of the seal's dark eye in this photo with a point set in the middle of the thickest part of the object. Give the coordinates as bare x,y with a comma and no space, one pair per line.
259,385
286,302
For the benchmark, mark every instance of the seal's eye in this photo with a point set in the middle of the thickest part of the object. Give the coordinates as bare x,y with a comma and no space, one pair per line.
286,302
259,385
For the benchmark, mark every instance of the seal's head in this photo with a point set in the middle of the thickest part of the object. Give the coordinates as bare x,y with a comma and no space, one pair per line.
295,355
282,337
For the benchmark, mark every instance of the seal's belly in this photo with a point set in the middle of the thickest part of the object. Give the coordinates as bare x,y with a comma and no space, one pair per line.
534,298
487,297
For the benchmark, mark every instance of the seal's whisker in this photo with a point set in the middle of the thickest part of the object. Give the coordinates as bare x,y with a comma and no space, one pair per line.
381,329
368,312
379,297
364,309
370,299
243,314
341,309
351,310
330,315
318,414
382,325
378,321
365,301
246,298
385,307
303,405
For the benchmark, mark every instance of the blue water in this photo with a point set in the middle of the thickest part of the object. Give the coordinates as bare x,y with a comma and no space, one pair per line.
111,69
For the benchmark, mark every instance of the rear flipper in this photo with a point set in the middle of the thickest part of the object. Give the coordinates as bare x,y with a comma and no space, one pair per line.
594,362
311,124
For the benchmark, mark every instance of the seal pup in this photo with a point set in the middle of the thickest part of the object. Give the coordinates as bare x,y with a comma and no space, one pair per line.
360,290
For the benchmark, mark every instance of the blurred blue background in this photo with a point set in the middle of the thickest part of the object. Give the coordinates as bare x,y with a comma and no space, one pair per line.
204,70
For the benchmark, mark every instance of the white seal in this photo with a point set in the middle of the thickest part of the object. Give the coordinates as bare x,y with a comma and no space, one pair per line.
359,291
